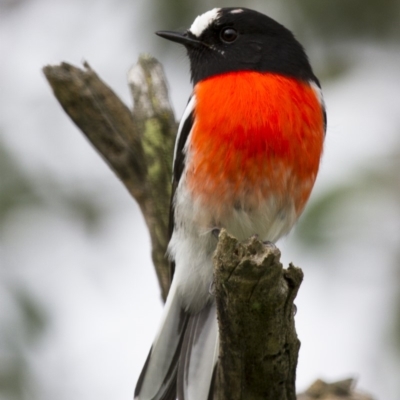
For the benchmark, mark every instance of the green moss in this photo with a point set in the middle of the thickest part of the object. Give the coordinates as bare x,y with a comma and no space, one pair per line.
256,306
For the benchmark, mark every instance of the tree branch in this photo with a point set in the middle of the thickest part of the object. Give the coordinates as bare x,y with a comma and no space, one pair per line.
258,341
137,146
340,390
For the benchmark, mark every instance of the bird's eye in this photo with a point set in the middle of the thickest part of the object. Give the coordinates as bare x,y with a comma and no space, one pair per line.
228,35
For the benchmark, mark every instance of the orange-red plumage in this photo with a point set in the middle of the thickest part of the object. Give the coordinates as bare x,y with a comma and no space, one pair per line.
255,135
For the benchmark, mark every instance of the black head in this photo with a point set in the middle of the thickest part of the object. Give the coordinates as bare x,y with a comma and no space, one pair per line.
237,39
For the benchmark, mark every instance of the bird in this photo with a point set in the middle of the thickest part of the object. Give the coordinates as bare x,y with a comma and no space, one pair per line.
246,156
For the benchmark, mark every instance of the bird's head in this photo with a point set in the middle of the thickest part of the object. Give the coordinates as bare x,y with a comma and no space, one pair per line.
238,39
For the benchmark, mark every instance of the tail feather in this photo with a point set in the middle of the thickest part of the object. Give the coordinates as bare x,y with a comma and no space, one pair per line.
157,380
199,355
183,357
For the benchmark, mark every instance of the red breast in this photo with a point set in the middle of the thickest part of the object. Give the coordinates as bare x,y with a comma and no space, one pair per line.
255,135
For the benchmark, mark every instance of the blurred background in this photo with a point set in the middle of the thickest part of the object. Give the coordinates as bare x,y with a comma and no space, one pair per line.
79,301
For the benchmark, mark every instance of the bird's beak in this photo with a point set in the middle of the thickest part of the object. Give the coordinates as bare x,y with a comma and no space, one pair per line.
178,37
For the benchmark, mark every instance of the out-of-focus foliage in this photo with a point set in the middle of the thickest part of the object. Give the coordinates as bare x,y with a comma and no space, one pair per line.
325,223
19,190
21,329
396,325
315,229
325,20
16,190
321,223
20,337
9,5
348,19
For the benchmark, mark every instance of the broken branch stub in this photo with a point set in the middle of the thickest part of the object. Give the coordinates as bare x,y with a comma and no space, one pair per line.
258,341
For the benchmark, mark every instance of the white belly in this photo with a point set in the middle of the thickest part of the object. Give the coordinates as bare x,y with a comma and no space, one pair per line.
192,244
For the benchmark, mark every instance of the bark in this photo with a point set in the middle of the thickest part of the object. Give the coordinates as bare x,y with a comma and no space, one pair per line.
254,294
340,390
138,145
258,345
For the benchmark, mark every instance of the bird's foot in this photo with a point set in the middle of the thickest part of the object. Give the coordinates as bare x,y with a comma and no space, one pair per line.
270,245
294,309
211,288
215,232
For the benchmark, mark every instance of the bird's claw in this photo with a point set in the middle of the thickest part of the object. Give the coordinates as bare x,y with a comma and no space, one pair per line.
216,232
211,288
270,245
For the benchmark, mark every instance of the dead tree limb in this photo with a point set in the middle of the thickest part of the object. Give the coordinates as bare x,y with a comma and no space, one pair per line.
254,294
340,390
258,344
137,145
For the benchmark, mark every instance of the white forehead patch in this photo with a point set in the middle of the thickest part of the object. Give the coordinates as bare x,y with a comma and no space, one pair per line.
203,21
237,11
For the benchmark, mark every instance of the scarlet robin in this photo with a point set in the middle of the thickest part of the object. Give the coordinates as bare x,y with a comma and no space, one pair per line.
246,157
